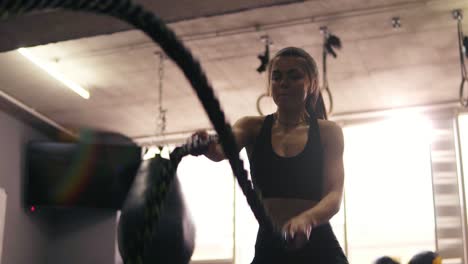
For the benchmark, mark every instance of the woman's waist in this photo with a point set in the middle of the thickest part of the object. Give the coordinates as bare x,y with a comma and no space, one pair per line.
288,192
282,210
304,182
322,236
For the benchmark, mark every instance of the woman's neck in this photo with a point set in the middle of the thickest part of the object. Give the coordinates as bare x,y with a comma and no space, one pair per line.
290,118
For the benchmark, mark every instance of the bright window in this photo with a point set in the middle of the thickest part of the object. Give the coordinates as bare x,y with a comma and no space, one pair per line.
463,132
208,189
389,203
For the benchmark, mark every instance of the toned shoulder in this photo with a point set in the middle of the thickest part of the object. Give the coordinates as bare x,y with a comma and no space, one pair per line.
328,125
330,132
248,128
250,122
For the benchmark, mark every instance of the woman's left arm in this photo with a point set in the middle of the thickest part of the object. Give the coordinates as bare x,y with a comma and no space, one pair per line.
333,171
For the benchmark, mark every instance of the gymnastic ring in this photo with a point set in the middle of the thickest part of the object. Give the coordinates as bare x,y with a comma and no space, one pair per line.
330,100
463,100
259,110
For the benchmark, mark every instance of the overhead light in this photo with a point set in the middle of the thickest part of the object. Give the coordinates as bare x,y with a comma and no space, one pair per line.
54,73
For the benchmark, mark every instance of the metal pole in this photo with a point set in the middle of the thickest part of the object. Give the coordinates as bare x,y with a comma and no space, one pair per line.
433,199
345,225
461,187
234,244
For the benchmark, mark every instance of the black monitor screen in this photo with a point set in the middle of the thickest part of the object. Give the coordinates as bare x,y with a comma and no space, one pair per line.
79,175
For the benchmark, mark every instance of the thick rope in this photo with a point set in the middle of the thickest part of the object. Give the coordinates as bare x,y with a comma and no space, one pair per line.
155,28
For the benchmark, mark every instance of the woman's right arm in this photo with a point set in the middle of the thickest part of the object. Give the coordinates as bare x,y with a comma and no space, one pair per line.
243,135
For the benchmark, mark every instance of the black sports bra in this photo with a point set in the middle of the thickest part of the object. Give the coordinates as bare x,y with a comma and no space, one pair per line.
300,176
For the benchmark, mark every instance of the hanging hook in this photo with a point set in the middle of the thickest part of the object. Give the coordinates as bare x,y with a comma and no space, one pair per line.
396,22
265,57
330,41
462,43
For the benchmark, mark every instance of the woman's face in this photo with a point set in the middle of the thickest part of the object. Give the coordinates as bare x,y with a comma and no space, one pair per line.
289,82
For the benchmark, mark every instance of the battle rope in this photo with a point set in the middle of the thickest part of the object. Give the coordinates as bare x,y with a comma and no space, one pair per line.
155,28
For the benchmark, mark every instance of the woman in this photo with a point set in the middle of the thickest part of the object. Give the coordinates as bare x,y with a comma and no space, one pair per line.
296,159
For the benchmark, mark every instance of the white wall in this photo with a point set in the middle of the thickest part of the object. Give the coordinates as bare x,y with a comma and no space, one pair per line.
78,236
25,237
82,236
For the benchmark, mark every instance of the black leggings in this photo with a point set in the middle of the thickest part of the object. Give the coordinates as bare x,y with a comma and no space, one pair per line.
322,248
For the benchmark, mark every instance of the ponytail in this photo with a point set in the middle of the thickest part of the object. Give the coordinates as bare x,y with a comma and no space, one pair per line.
315,106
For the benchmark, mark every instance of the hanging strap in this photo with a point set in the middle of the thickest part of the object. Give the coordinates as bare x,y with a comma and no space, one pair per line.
464,75
325,87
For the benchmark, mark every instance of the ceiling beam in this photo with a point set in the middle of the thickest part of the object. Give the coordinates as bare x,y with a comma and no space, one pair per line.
54,26
27,115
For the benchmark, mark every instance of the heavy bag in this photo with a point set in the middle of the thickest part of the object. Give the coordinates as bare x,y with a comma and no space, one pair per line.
426,257
168,234
386,260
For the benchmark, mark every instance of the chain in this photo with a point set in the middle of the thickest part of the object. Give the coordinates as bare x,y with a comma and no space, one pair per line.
161,119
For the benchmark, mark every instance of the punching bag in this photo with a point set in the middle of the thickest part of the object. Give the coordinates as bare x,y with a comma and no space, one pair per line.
426,257
386,260
172,234
155,225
